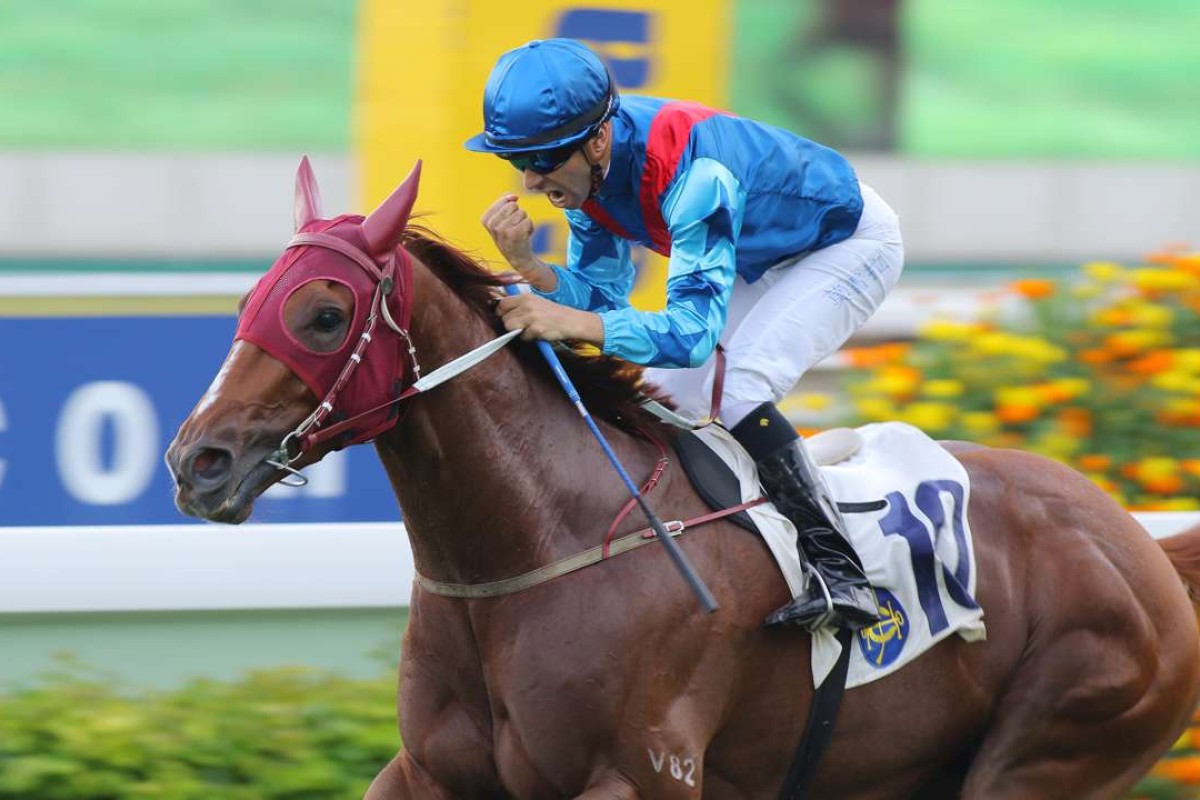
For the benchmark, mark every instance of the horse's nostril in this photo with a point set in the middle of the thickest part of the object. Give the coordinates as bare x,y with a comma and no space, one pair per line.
209,466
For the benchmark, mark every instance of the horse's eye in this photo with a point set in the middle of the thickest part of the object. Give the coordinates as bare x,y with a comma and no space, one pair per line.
328,320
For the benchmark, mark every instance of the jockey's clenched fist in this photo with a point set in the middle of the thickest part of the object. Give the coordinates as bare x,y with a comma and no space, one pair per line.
512,231
545,319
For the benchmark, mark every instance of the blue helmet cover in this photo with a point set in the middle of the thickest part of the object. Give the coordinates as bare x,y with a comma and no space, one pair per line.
546,94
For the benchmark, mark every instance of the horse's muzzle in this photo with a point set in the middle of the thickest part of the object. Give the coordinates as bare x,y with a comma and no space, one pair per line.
203,480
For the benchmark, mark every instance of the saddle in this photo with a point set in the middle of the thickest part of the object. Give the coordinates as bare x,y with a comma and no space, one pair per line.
720,488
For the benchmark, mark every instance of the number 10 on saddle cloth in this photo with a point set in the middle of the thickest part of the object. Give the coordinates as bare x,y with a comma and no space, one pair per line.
904,499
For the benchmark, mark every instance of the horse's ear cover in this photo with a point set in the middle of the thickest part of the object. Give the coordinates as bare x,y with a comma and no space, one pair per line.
307,205
383,228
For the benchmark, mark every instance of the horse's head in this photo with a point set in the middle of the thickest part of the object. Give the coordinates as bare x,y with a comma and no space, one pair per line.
321,349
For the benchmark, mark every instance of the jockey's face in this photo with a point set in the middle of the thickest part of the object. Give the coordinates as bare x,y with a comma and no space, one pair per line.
569,185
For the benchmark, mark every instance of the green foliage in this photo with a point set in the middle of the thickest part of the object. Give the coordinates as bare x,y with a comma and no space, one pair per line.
282,733
279,734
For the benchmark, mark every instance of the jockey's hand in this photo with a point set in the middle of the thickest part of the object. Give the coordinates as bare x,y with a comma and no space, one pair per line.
550,321
512,231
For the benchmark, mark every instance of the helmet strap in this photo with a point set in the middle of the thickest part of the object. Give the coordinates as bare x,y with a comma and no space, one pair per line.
597,173
597,179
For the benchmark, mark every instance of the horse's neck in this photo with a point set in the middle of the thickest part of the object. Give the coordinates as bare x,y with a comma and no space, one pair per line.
494,471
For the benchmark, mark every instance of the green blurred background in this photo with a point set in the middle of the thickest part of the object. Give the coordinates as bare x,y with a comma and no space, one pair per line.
1112,79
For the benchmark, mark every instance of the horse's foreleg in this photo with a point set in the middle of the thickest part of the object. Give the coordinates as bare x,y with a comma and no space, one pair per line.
403,779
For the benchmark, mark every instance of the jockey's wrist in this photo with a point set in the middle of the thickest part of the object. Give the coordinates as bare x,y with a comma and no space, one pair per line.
590,329
540,276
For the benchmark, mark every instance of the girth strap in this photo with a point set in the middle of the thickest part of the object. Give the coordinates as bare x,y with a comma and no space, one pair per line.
573,563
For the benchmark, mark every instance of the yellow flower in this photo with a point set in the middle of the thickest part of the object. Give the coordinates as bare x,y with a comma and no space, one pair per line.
948,330
1035,349
1156,467
980,422
1172,381
1188,358
1132,342
1179,504
930,417
1018,396
1087,291
1181,406
1150,315
1103,271
943,388
876,409
1058,445
897,381
813,401
993,344
1073,387
1111,317
1032,348
1163,280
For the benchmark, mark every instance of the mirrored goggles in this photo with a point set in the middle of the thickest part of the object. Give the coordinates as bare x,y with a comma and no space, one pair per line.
543,162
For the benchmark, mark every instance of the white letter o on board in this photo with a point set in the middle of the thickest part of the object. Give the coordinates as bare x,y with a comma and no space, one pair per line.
135,443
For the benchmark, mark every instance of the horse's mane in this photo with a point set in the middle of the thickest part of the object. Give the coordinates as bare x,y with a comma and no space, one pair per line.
611,388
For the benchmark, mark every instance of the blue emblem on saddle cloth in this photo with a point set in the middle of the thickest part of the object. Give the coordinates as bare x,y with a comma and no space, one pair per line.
882,643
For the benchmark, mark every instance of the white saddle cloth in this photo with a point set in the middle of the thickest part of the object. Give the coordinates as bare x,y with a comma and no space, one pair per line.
904,499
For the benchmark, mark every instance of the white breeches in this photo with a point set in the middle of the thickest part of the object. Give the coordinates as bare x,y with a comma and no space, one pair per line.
799,312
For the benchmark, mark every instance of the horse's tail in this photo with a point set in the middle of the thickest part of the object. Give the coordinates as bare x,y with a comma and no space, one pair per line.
1184,551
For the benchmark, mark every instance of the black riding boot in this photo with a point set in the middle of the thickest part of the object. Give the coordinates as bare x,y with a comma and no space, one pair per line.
838,592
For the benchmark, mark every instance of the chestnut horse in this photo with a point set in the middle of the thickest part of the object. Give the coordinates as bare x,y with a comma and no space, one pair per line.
610,682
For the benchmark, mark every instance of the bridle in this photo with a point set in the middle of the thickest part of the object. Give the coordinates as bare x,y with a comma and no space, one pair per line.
395,275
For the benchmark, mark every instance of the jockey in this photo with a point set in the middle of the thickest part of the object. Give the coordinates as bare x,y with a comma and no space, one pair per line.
777,251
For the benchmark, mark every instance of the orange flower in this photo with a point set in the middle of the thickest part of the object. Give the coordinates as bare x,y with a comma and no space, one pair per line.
1016,414
1178,419
1034,288
1152,363
877,355
1114,317
1094,462
864,357
1124,346
1053,393
1184,770
1163,484
1076,422
1189,263
1095,356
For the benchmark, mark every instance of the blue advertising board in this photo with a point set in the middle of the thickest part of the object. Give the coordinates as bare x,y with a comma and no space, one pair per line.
89,405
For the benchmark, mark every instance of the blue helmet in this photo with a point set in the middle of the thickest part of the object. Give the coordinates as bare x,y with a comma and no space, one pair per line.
544,95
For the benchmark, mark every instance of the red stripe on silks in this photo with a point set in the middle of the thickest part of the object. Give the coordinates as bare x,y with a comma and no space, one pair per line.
669,135
598,213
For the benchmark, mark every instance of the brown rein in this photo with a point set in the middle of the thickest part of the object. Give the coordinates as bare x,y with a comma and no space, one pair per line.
587,558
